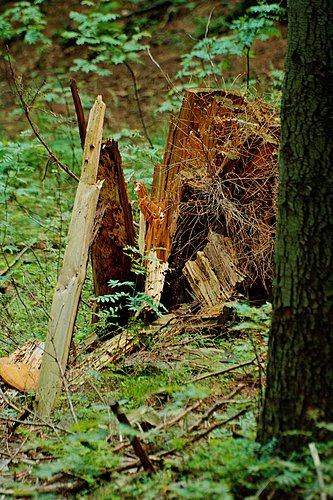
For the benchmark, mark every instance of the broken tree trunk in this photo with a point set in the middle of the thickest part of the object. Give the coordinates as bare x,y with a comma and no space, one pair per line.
114,228
67,294
219,173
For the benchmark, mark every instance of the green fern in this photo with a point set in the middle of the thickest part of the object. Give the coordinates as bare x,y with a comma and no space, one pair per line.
104,39
24,20
211,56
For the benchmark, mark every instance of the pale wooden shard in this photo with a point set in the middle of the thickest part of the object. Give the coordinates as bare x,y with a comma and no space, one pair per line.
108,352
67,294
20,370
156,270
213,275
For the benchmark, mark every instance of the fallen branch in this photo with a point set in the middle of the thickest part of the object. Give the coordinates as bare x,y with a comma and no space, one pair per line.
220,372
216,407
26,109
205,433
136,93
12,264
22,421
135,441
169,423
47,488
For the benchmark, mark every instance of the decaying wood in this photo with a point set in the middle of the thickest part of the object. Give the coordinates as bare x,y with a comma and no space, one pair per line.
20,370
219,173
213,275
108,352
156,270
67,294
81,120
153,215
114,229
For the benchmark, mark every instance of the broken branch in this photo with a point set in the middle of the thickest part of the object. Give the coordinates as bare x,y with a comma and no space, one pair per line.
217,425
81,120
220,372
135,441
26,110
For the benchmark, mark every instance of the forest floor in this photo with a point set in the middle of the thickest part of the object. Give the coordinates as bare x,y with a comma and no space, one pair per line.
190,386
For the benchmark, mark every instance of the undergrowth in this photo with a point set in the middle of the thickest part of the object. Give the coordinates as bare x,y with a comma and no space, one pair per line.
201,434
192,394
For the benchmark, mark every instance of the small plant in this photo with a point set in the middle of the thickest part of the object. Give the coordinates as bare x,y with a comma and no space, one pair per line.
133,302
106,42
25,21
125,294
211,56
253,319
84,453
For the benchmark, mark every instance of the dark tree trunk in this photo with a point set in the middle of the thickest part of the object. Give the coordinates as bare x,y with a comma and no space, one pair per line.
300,360
114,226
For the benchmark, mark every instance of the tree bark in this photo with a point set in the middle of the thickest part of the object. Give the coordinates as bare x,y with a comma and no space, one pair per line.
299,391
114,229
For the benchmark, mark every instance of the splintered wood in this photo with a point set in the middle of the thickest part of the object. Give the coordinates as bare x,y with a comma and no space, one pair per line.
113,228
218,177
213,274
107,352
71,277
20,370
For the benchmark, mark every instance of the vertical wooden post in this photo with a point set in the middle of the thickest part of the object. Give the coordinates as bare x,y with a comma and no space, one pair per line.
67,294
114,228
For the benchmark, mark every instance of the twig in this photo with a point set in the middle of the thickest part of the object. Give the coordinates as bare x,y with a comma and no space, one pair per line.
17,291
22,421
11,458
12,264
247,53
27,411
217,425
317,464
169,423
216,407
136,92
166,76
81,120
26,110
207,45
203,434
65,384
220,372
135,441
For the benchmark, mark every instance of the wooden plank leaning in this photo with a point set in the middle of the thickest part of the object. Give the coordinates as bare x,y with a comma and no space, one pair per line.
71,277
